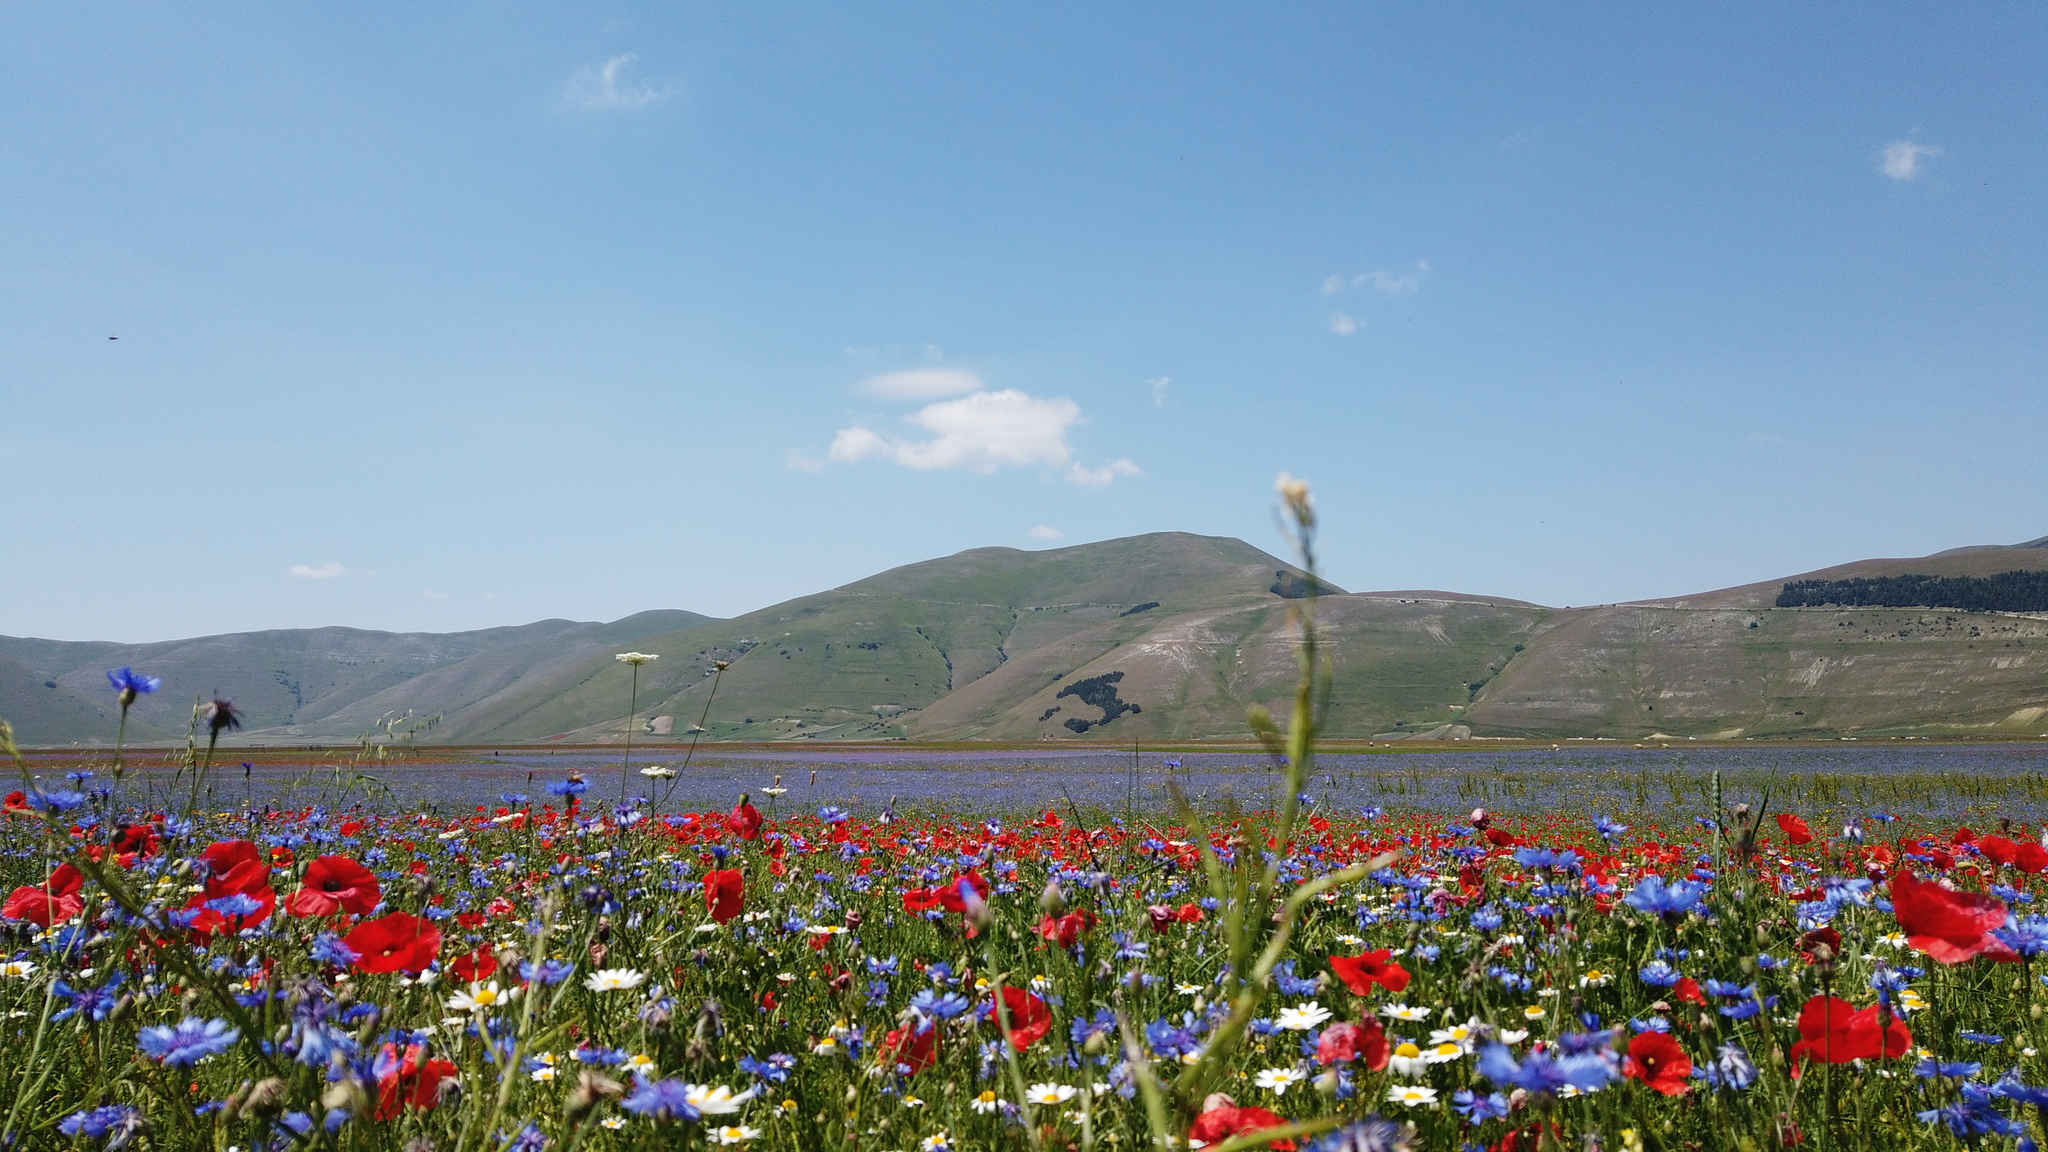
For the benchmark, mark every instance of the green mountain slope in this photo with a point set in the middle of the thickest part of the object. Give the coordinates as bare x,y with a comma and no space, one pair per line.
1156,637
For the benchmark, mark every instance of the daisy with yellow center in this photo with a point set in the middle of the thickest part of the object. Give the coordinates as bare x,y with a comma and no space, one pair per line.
986,1103
1406,1060
1411,1095
1047,1094
1279,1080
1534,1012
735,1134
1596,978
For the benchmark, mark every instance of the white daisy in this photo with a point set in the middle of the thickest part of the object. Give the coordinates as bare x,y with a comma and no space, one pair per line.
658,772
715,1100
986,1103
936,1142
1188,989
735,1134
613,1122
913,1101
1443,1053
1404,1012
613,980
19,969
1406,1060
1513,1035
1534,1012
1280,1079
481,998
1412,1095
1596,978
1303,1017
1050,1093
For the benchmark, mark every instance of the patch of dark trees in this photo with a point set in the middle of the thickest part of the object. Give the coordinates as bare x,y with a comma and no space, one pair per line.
1133,610
1096,692
1295,586
2004,592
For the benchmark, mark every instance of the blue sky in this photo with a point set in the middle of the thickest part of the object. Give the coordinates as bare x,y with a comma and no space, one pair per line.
436,317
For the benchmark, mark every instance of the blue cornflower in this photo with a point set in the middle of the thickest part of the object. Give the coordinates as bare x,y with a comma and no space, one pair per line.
573,786
54,802
1727,990
1975,1114
1650,1024
1608,829
327,948
130,683
1083,1029
1731,1067
96,1003
117,1124
1538,1072
880,966
1960,1069
1667,900
2026,935
1371,812
548,971
661,1100
1559,859
1291,984
1170,1040
1479,1109
833,814
1486,919
1981,1037
235,904
189,1041
775,1069
528,1139
512,799
944,1006
1658,974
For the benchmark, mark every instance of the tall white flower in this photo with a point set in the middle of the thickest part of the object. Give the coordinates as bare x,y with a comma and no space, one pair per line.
715,1100
613,980
1303,1017
636,658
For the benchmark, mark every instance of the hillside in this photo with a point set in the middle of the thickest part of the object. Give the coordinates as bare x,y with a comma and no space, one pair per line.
1167,636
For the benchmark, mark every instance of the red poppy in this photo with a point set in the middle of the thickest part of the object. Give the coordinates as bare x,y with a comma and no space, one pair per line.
234,866
1360,973
336,884
1342,1043
1067,929
137,840
17,801
920,899
1794,828
1225,1120
1832,1031
1030,1019
56,901
396,942
210,921
912,1050
1948,925
745,820
1688,989
725,894
1997,849
1657,1060
1817,939
410,1079
2030,857
474,966
1501,838
954,898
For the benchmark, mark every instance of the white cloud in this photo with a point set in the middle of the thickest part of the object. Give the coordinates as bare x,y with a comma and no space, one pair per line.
327,571
1159,386
1045,532
1901,158
798,462
1390,283
1101,477
981,433
1343,325
604,88
919,384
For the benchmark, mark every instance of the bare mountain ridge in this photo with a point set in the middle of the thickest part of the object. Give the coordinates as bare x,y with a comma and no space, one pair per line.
1162,636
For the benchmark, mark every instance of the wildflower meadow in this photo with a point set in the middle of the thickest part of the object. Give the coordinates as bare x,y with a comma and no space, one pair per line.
571,970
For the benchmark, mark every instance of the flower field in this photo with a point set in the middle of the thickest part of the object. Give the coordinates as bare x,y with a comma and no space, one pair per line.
557,972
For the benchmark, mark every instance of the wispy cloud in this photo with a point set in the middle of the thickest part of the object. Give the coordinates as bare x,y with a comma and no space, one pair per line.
605,88
1046,532
1900,159
797,461
1343,325
919,384
1381,280
1159,385
1101,477
981,432
328,571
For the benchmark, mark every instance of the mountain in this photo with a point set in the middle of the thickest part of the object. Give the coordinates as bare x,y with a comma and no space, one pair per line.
1167,636
308,684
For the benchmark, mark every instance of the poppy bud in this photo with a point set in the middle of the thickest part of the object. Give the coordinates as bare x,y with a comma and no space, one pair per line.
1052,901
853,920
266,1099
